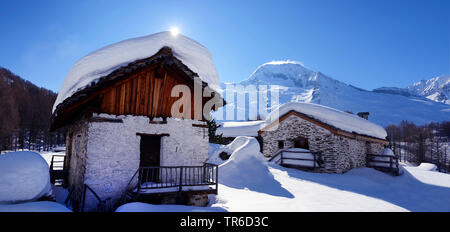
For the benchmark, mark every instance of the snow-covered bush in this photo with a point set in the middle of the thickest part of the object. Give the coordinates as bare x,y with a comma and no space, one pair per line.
24,176
387,151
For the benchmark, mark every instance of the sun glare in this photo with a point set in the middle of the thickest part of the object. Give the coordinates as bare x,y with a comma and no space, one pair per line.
174,31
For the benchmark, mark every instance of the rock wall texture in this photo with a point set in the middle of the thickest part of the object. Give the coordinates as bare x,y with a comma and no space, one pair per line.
113,150
339,153
76,143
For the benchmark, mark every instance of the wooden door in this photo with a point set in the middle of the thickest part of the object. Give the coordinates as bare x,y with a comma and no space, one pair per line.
150,157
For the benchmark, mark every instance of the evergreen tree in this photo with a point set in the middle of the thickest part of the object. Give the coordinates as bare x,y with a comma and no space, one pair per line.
212,129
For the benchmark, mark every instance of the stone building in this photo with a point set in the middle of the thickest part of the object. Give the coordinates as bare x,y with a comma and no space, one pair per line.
118,103
340,139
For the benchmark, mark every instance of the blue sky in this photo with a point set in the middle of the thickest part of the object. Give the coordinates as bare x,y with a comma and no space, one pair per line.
366,43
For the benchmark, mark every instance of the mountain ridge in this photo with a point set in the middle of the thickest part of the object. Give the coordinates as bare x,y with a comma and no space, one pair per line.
388,105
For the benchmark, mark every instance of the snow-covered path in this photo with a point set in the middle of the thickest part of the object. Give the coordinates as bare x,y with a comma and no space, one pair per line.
361,189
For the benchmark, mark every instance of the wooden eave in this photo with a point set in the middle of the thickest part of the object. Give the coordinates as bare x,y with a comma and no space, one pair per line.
328,127
87,98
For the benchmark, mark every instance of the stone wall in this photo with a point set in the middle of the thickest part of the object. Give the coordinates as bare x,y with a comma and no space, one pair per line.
113,150
319,139
76,143
339,153
351,153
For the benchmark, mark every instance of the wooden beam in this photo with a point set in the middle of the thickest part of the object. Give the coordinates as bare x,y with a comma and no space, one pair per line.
144,134
101,119
200,125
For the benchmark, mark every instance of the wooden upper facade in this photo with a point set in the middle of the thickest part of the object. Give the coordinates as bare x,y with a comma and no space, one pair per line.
143,88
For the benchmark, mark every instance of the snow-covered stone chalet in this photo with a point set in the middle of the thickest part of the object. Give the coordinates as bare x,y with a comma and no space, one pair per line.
341,140
116,104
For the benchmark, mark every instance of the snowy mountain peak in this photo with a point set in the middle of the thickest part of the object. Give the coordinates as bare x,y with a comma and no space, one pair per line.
436,89
387,105
287,73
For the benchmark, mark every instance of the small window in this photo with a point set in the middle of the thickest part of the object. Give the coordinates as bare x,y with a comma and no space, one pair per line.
280,144
301,143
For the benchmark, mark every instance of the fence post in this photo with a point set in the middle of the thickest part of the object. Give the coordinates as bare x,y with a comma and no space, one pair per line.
83,199
281,158
217,179
180,186
314,160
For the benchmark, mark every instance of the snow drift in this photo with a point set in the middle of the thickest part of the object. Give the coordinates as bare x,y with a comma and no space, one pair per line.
38,206
216,149
144,207
427,167
246,168
102,62
24,177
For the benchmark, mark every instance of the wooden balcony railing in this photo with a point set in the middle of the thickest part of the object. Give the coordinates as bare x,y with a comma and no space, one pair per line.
165,179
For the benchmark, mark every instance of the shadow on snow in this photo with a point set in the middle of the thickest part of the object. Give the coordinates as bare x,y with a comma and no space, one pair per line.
405,190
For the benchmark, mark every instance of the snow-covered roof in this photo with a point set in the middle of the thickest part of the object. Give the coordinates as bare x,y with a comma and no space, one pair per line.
338,119
235,129
104,61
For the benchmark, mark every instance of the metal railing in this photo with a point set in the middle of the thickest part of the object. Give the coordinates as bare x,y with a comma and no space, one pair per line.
102,205
174,178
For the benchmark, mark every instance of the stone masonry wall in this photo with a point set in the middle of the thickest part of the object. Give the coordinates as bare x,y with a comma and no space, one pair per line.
76,142
113,150
339,153
319,139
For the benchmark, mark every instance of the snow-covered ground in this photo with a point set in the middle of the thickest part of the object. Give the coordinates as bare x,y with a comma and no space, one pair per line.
36,206
143,207
248,183
361,189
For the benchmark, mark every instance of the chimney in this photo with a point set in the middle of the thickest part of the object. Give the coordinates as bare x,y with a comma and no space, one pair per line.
364,115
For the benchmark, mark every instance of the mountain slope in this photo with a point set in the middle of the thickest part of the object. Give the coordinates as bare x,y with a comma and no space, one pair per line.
436,89
300,84
25,109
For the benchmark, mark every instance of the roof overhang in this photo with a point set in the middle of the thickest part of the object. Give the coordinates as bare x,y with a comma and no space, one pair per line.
84,98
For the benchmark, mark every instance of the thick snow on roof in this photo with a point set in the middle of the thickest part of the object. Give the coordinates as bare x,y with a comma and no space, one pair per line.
235,129
105,60
333,117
